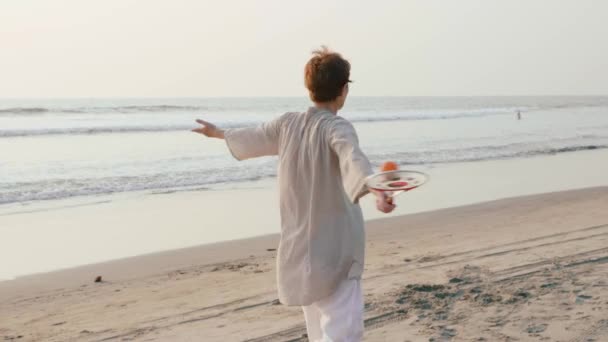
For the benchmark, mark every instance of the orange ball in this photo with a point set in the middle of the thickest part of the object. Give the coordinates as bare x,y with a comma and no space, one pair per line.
389,166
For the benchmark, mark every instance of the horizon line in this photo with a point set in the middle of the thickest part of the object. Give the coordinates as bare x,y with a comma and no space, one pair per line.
278,96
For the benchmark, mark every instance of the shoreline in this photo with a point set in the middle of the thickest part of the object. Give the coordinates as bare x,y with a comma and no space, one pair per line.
526,256
219,252
138,224
20,208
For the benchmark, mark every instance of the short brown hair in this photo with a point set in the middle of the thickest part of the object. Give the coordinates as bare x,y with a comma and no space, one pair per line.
325,75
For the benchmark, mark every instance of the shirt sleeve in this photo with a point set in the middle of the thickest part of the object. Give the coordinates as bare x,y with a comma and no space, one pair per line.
251,142
354,165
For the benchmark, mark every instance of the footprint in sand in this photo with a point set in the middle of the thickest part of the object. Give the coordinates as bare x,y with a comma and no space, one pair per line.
581,298
430,258
537,329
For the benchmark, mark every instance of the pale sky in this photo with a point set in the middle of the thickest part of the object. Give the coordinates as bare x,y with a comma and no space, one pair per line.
154,48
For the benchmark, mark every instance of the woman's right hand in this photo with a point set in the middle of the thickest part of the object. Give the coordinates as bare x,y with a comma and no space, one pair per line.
384,202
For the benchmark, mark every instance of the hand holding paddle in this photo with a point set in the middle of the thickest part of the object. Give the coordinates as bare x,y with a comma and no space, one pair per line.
384,202
389,166
394,181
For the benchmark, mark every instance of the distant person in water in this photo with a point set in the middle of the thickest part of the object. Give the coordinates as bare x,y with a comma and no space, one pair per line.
518,114
321,176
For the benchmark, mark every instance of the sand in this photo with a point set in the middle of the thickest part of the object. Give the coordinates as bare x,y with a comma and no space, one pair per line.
531,268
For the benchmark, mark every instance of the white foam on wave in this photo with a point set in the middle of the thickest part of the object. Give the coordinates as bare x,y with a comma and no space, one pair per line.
353,117
51,189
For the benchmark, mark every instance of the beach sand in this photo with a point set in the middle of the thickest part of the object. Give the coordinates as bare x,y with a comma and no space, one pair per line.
530,268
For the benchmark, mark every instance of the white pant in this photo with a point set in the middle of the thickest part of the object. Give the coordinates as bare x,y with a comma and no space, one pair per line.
339,317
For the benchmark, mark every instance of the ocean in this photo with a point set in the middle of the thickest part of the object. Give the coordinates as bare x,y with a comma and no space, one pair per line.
58,149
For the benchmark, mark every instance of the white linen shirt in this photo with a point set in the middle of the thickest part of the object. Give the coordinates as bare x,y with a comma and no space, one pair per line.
321,176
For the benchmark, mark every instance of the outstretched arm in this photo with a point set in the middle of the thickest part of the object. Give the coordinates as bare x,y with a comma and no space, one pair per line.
248,142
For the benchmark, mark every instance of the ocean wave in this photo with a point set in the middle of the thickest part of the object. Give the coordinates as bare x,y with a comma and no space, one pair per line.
102,109
90,131
191,108
473,154
51,189
23,110
429,116
147,109
7,133
276,105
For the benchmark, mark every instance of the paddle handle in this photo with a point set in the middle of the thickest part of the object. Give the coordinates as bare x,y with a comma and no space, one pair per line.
393,195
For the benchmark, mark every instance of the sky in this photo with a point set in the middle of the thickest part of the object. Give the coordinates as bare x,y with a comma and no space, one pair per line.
184,48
